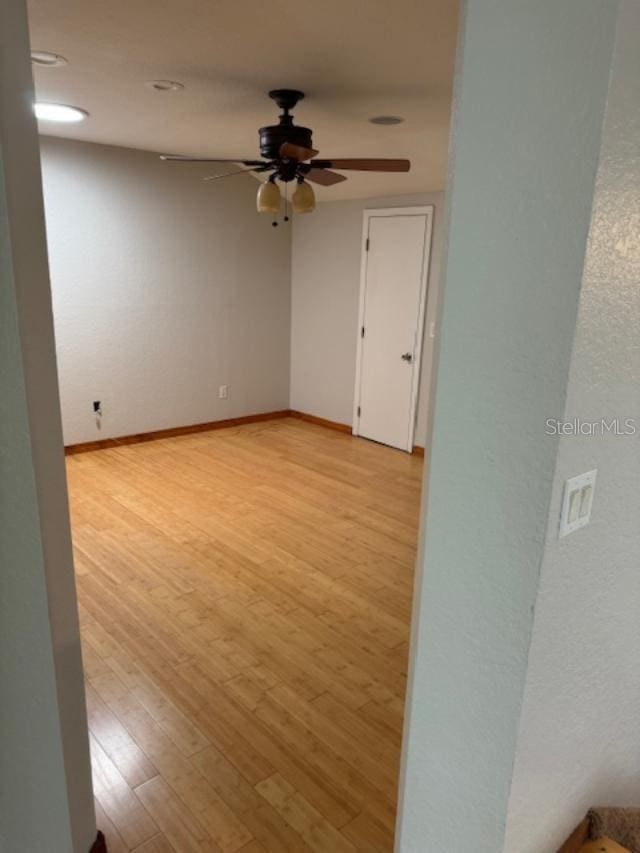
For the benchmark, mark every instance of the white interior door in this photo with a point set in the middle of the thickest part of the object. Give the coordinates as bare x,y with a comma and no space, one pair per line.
392,303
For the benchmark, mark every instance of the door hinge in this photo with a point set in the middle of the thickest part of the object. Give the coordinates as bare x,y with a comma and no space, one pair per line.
358,411
362,331
366,245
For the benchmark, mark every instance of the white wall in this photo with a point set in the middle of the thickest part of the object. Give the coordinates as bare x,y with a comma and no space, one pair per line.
46,801
164,288
325,285
530,97
579,740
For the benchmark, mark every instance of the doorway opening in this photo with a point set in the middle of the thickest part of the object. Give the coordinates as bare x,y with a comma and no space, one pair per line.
244,558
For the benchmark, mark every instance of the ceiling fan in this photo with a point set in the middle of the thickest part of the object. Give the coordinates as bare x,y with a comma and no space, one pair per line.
288,155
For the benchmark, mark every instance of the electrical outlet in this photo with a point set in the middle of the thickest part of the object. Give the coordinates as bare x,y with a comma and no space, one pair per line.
223,392
577,502
97,407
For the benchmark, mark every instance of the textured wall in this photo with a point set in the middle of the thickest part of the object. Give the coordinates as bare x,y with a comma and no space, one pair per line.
579,740
46,801
325,283
164,288
531,88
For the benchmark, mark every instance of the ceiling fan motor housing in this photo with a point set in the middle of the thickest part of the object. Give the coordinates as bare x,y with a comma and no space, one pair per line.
273,136
288,153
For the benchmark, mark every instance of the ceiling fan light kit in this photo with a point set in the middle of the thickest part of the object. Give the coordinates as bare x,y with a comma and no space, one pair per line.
268,198
303,199
289,154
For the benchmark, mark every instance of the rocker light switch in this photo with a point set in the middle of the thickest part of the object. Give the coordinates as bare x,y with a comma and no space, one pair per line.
576,502
574,505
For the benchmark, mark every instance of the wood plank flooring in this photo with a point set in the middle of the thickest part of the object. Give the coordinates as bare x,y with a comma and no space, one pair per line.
245,597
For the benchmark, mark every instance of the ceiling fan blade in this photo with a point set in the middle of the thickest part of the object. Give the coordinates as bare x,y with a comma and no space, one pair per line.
177,158
324,177
236,172
296,152
364,164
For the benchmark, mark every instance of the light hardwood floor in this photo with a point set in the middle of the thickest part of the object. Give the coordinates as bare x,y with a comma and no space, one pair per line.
245,598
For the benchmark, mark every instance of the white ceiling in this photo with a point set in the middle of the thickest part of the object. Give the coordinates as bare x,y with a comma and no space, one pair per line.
354,59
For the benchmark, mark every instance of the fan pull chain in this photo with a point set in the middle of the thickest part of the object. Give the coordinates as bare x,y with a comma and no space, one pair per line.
286,207
286,202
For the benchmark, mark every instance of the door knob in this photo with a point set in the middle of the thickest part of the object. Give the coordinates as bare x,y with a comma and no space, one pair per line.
407,356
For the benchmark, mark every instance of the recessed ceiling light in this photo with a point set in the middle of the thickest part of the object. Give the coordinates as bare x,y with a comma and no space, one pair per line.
388,120
45,59
165,85
59,112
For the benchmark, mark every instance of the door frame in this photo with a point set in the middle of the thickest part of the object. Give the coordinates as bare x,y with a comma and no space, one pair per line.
369,214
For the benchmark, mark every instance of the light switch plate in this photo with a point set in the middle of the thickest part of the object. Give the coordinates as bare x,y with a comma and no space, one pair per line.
577,502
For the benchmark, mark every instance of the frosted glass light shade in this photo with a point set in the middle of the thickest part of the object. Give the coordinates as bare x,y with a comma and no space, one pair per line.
268,198
303,199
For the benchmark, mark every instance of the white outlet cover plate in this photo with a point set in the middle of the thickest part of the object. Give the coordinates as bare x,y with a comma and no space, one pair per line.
577,502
